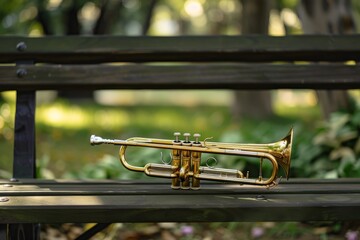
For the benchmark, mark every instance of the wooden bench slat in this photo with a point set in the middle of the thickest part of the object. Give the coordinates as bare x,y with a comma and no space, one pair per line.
158,181
90,49
154,202
180,208
196,76
151,187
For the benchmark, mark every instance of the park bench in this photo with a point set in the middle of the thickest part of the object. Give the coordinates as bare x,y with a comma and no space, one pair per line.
216,62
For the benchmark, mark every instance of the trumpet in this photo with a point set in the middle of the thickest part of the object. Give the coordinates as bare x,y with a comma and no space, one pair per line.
185,168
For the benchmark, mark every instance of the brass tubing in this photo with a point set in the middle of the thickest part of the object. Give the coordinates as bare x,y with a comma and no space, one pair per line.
205,176
185,163
160,170
124,144
224,172
185,169
168,145
195,159
281,150
260,169
208,174
186,159
122,151
149,169
176,164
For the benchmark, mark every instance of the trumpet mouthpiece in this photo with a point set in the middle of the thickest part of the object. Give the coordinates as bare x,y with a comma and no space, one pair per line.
95,140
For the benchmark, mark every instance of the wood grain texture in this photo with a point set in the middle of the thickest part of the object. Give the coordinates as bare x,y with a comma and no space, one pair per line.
194,76
118,201
90,49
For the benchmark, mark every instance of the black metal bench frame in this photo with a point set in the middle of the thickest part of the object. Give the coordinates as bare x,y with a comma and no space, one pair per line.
218,62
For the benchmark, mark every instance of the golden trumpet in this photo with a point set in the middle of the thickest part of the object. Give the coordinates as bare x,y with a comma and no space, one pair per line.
185,169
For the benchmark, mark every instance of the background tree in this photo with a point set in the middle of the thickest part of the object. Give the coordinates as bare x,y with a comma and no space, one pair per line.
254,20
328,17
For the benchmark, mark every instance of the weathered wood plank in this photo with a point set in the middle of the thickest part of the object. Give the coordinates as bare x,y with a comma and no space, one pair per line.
86,49
179,208
290,201
27,188
159,181
195,76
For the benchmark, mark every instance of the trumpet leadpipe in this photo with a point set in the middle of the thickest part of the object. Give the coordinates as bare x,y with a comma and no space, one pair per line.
168,144
96,140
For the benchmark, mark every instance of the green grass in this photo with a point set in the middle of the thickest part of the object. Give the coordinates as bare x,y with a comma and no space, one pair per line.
63,130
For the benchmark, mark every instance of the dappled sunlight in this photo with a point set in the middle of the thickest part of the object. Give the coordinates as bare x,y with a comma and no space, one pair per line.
60,116
188,98
290,18
53,4
163,22
28,14
301,104
111,119
193,8
117,109
6,123
276,27
74,117
356,95
290,98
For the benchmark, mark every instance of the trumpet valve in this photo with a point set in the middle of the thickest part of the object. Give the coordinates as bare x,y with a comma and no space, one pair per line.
176,162
185,163
197,136
187,136
182,174
177,135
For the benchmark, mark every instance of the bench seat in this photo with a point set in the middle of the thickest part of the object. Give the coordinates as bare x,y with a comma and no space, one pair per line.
58,201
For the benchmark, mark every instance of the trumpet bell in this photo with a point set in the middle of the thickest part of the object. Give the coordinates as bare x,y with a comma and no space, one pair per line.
280,150
283,153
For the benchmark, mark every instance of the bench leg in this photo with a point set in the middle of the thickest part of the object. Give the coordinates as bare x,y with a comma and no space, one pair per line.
24,164
92,231
3,231
24,231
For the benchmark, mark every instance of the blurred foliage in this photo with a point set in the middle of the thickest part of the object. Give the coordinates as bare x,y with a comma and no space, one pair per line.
136,17
323,150
126,17
334,150
320,149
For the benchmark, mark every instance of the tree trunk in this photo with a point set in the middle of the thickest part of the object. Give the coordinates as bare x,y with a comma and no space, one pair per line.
253,104
109,14
328,17
148,17
72,27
